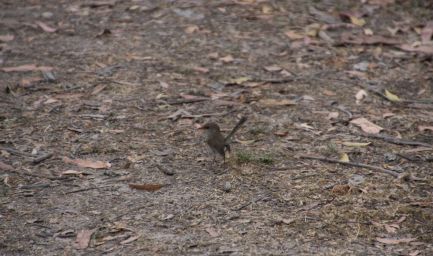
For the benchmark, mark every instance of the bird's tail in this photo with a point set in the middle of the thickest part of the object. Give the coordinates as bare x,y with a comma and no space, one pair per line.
237,126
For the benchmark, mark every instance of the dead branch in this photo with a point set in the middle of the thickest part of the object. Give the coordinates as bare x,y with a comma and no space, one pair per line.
396,140
36,175
367,166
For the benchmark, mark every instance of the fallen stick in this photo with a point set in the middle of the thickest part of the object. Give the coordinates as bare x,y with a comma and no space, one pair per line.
41,158
367,166
36,175
396,140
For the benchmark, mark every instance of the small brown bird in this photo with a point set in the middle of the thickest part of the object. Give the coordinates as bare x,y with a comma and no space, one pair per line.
216,140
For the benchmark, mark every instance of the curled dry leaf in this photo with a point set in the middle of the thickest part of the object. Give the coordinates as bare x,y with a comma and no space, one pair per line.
313,29
360,95
332,115
275,102
227,59
427,33
87,163
391,97
293,35
45,27
146,187
394,240
131,239
239,80
366,125
273,68
368,32
387,115
191,29
340,189
422,128
344,158
354,18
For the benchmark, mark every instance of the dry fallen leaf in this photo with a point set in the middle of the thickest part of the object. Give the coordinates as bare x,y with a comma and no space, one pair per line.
6,38
332,115
281,133
414,253
427,33
344,158
200,69
30,81
422,128
191,29
83,238
294,35
426,49
5,167
387,115
227,59
131,239
87,163
349,38
391,228
313,29
212,232
273,68
366,125
355,144
146,187
239,80
391,97
98,89
267,9
368,32
360,95
45,27
394,240
275,102
71,172
354,18
340,189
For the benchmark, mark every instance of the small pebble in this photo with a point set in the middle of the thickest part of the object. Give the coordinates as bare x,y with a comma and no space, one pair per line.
166,171
389,157
227,187
47,15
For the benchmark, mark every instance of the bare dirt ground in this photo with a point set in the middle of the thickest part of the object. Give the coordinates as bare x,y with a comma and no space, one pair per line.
100,103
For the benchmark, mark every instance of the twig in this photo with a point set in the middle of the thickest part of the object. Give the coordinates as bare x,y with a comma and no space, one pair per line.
248,203
80,190
127,212
36,175
396,140
15,152
41,158
184,101
367,166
